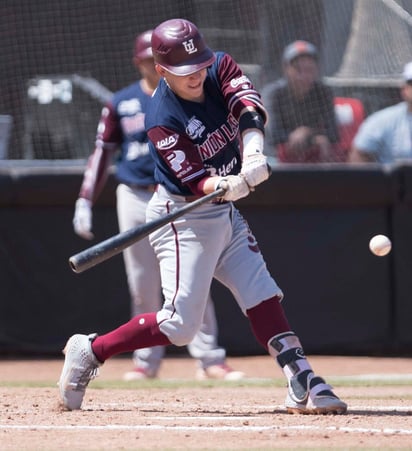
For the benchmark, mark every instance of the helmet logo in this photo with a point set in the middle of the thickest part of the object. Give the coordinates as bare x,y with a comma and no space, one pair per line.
189,46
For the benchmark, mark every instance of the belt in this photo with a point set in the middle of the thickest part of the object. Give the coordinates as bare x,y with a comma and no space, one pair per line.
218,200
151,188
162,191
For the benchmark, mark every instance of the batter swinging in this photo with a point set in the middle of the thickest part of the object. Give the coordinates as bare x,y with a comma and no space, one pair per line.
121,137
205,124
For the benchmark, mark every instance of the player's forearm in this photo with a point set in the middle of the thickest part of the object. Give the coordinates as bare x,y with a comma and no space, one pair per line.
96,174
207,185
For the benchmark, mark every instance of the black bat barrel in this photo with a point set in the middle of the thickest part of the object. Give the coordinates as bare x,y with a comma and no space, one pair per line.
114,245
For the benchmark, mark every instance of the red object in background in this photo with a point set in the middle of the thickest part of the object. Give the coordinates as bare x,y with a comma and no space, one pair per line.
350,113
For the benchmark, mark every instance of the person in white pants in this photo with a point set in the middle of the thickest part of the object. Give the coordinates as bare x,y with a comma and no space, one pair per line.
122,127
205,124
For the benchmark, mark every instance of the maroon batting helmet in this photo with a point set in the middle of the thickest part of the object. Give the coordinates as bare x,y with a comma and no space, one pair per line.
179,47
143,46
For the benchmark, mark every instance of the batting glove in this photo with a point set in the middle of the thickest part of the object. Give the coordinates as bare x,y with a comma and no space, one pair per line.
254,167
82,220
255,170
235,187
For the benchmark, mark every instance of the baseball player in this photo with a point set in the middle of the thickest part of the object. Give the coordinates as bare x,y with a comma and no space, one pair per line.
122,127
205,125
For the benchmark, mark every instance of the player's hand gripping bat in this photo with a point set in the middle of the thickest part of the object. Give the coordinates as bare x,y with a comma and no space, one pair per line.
104,250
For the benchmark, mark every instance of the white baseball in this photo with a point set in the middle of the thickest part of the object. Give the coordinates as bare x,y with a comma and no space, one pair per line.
380,245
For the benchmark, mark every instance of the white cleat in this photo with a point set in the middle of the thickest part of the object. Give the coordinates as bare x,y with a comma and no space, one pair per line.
80,367
319,401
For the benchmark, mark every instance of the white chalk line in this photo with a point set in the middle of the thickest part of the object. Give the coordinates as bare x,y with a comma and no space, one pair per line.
268,408
243,428
245,412
407,377
226,428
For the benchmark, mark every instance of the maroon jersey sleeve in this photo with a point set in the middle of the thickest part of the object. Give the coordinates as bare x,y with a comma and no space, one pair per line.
178,153
97,169
238,91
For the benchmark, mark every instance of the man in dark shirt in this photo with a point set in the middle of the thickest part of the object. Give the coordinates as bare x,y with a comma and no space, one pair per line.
302,125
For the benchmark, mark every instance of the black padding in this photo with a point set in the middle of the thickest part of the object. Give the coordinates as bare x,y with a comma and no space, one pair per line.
251,119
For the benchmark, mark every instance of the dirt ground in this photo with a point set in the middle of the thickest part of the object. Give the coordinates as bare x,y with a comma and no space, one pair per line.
177,413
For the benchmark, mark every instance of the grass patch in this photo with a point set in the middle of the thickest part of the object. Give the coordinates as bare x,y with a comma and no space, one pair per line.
344,381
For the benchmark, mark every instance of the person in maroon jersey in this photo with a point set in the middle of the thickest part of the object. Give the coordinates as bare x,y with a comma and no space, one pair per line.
205,125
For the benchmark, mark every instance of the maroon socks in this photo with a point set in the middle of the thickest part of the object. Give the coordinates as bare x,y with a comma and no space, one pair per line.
140,332
268,319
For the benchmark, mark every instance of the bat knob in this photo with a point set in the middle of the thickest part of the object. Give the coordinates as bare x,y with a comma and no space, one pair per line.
73,264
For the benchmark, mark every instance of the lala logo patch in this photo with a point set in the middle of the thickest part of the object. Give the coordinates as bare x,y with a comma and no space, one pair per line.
167,143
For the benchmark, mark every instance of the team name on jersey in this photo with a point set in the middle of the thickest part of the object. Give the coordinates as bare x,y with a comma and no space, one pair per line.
136,149
219,138
132,117
132,124
129,107
224,170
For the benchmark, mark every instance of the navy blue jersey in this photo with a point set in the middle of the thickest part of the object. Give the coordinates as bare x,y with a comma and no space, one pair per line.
122,126
190,140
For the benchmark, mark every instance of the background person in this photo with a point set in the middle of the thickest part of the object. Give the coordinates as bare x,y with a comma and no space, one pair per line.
386,135
205,124
121,128
302,126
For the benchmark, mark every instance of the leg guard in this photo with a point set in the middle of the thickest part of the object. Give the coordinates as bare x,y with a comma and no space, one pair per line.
287,350
307,393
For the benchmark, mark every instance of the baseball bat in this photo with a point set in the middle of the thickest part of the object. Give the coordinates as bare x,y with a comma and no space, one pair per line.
104,250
